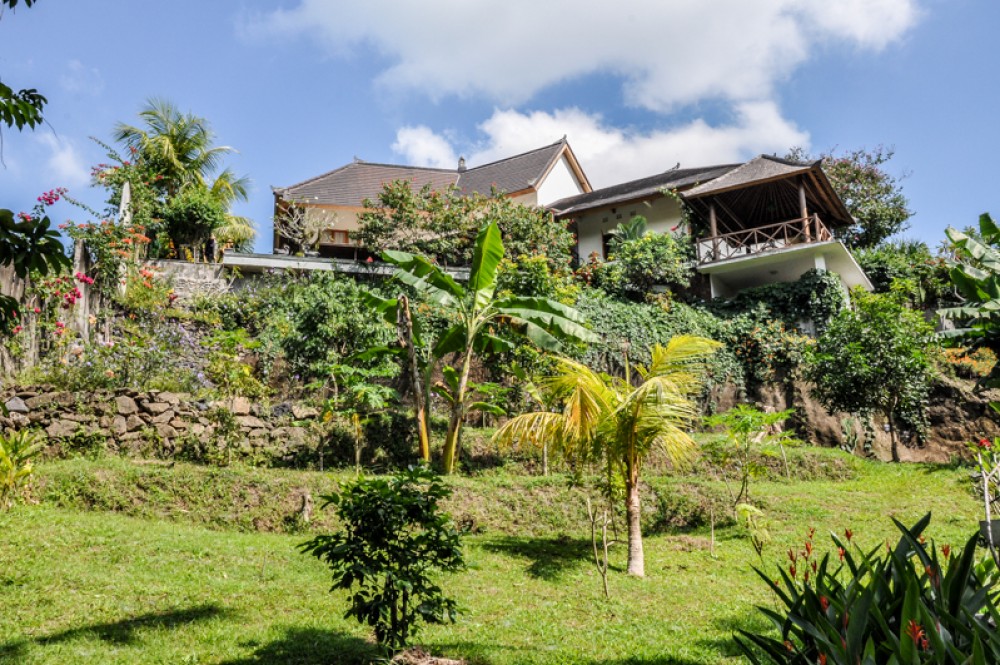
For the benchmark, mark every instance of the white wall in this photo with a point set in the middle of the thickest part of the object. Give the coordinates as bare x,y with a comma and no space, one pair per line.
558,184
663,214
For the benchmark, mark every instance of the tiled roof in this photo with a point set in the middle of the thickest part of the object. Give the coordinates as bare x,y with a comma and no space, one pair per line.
349,185
512,174
643,187
763,167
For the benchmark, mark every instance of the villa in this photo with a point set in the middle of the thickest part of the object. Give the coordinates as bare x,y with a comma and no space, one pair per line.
766,220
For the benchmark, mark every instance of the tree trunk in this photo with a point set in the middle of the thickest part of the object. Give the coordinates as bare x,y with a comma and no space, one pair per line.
633,512
893,440
450,454
404,329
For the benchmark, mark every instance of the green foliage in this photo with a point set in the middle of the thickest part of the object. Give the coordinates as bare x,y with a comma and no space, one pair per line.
226,369
29,245
636,265
477,310
873,196
908,262
140,357
747,430
443,225
975,272
17,448
394,537
192,215
817,296
875,359
907,605
611,421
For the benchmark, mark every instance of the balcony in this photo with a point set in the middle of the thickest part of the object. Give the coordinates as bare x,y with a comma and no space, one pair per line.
762,239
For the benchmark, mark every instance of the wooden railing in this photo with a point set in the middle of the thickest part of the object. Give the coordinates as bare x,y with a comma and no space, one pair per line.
762,239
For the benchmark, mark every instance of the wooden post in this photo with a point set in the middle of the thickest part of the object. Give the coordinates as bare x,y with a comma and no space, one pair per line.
713,230
803,209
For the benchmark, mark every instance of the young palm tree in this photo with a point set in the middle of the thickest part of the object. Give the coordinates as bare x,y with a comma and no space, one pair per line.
179,146
608,418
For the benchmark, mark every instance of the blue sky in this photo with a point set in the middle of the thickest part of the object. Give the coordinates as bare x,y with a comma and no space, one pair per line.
303,86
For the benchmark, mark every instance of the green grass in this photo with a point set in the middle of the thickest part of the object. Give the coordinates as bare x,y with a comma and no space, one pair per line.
160,585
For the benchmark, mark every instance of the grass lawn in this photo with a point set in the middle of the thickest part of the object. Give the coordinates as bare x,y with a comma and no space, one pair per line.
91,586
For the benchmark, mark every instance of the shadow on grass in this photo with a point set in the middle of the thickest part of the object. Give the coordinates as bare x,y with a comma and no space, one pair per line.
310,646
121,632
549,556
752,621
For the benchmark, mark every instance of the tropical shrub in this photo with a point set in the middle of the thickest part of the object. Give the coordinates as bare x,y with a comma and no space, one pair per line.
443,224
875,359
910,262
394,537
905,605
16,450
637,265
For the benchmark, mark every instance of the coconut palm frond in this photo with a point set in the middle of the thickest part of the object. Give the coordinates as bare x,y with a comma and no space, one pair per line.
236,231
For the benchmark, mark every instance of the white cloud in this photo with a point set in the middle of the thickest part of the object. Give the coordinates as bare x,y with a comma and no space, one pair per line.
422,147
666,53
611,155
65,166
81,79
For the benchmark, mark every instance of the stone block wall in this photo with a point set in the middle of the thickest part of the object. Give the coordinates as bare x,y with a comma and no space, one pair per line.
163,424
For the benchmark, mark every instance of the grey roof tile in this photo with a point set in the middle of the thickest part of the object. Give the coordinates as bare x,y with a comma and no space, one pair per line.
512,174
636,189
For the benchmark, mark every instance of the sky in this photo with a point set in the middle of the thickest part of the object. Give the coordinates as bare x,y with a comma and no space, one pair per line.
302,87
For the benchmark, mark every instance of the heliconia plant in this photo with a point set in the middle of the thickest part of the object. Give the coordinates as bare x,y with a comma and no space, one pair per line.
904,606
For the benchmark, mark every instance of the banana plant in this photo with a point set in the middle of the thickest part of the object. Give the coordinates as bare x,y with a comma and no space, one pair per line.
975,272
478,313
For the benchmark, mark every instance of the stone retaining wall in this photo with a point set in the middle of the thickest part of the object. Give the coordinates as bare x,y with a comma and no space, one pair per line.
164,424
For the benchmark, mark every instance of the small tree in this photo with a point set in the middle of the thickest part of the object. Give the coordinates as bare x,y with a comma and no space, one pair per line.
303,228
747,429
609,419
394,537
874,359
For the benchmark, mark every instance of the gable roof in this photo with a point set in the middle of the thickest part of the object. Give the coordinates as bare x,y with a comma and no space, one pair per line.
520,172
349,185
759,169
639,189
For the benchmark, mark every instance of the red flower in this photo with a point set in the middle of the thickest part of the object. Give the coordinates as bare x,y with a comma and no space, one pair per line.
824,603
840,553
370,260
17,329
917,634
822,659
946,551
848,534
985,443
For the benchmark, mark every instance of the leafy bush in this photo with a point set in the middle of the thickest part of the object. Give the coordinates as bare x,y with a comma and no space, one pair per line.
394,537
226,370
906,605
16,450
639,264
142,357
910,262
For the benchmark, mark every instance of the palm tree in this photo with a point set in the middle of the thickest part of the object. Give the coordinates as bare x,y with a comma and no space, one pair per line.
608,418
179,147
